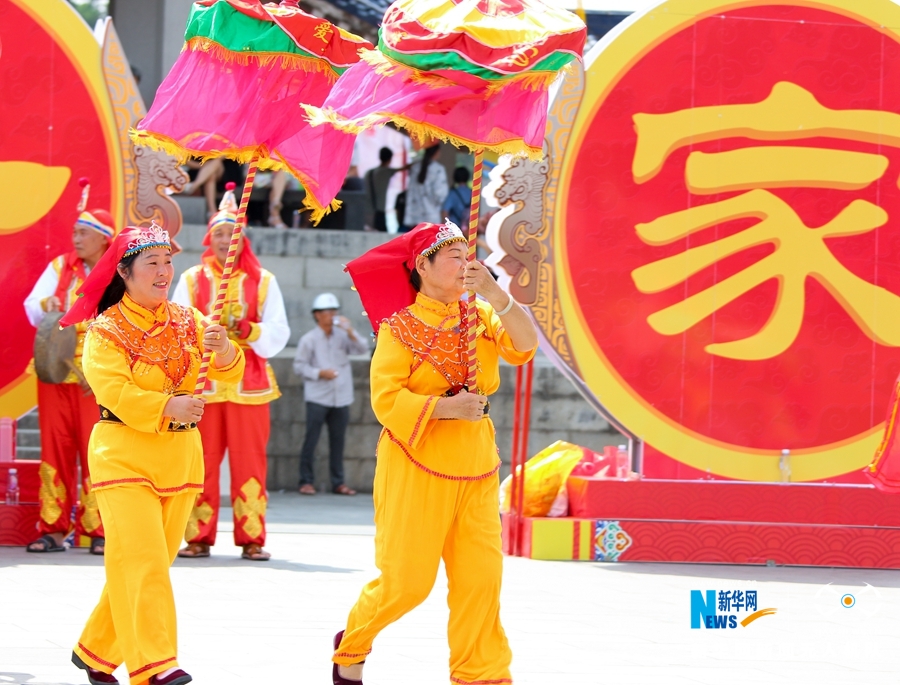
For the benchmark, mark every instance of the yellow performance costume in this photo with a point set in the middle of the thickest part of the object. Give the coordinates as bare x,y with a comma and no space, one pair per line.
146,477
436,489
147,472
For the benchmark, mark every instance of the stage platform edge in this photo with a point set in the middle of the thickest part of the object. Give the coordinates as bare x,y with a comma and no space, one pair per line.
718,522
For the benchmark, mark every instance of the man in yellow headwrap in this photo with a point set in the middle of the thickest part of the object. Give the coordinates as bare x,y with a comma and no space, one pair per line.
68,411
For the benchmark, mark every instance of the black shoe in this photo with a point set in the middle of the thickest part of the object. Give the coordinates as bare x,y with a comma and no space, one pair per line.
95,677
336,676
177,677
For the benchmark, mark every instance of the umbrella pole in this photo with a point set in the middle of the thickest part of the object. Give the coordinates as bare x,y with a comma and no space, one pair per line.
229,265
470,302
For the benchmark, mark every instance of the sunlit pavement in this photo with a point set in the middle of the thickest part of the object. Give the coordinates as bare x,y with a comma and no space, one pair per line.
568,622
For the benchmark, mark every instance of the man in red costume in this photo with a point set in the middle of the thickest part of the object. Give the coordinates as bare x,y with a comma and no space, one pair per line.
68,411
236,417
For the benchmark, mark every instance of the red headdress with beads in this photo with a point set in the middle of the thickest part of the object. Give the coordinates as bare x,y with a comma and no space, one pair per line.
129,242
381,275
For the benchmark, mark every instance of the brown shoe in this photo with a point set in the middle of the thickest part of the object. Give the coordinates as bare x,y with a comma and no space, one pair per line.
307,489
194,550
255,552
344,490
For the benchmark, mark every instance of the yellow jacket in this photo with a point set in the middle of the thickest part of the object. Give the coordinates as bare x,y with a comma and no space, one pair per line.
135,360
420,356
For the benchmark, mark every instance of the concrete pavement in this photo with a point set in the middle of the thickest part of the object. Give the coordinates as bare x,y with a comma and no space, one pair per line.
575,622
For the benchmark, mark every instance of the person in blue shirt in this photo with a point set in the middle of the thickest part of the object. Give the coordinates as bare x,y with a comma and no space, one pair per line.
459,199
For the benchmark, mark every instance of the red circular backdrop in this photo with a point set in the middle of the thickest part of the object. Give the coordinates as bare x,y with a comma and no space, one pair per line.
47,116
833,382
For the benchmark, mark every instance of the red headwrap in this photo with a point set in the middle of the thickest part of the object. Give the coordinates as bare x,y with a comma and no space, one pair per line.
94,219
381,275
130,241
247,261
227,216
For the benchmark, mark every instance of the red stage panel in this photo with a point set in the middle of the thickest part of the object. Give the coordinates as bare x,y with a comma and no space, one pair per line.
18,525
674,500
708,542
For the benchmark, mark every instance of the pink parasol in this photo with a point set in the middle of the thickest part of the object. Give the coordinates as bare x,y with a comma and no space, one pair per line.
234,92
474,73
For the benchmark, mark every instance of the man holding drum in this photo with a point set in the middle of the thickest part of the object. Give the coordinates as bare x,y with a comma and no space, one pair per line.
67,411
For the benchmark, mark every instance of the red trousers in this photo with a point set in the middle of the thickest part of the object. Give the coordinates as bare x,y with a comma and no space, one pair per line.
66,417
244,431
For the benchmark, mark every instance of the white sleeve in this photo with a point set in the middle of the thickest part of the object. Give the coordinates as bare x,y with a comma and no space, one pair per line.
303,360
45,287
358,346
438,189
181,295
273,326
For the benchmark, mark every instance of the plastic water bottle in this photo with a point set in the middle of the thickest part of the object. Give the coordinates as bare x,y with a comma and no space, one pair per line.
622,462
784,465
7,439
12,487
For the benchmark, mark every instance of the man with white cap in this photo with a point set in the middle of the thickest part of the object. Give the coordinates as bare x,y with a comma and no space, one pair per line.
322,360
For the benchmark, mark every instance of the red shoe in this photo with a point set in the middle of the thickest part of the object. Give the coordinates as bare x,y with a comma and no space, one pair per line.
176,677
94,676
336,676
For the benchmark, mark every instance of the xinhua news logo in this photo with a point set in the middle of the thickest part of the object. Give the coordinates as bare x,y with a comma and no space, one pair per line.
725,609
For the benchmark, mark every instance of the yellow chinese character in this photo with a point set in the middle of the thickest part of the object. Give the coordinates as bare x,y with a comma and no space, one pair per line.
789,113
323,31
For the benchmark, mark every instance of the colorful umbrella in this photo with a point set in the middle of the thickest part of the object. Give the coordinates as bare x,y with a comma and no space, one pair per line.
235,90
474,73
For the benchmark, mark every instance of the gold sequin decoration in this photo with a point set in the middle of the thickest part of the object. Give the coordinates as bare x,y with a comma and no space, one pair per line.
201,513
50,494
253,506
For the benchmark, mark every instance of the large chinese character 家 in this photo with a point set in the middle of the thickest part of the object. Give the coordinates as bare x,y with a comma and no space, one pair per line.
789,113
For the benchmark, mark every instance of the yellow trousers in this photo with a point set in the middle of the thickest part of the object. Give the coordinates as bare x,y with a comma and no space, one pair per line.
419,519
134,621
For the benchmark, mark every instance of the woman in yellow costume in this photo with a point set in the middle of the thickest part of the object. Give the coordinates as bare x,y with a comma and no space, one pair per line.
436,479
141,358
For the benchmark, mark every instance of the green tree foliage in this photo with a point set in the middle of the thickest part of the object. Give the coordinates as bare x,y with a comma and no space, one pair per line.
91,10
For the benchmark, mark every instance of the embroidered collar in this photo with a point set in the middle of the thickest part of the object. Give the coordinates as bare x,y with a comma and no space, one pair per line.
144,318
437,307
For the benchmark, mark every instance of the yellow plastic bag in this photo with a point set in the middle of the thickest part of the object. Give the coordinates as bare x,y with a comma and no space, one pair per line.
545,477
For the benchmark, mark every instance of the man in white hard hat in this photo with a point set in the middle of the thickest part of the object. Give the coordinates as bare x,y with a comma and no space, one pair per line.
322,360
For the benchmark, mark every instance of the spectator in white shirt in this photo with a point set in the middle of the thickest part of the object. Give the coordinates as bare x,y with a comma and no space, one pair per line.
427,190
322,361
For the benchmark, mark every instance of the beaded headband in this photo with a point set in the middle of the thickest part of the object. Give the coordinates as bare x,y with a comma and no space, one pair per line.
148,239
449,233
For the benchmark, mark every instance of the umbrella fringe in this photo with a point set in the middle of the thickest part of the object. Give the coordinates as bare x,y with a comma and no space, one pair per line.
280,60
157,141
420,131
316,209
529,80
